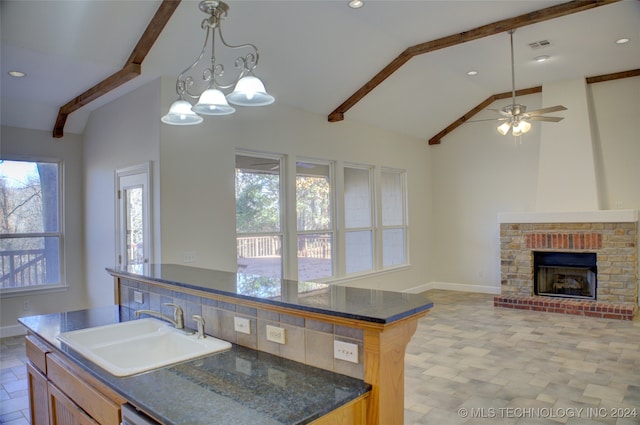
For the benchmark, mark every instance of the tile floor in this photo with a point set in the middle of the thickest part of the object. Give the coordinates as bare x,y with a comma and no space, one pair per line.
14,398
471,363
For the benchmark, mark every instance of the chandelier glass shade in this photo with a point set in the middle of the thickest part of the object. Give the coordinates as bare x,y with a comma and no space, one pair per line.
209,94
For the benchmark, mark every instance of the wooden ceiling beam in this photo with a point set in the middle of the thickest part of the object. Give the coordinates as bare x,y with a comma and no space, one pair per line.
131,69
614,76
497,27
435,140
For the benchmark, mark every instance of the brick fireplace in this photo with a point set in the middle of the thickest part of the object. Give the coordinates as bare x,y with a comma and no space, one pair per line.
611,235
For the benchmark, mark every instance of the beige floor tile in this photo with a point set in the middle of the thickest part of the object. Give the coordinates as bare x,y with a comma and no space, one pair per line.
466,354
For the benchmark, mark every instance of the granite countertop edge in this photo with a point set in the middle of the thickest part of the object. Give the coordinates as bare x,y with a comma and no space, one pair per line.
361,316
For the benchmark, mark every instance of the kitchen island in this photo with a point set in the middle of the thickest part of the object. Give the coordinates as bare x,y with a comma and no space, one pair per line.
376,325
237,386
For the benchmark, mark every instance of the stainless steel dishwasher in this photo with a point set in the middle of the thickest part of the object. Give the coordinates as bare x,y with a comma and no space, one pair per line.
131,416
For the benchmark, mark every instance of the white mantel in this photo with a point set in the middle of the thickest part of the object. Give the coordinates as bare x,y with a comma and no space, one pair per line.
599,216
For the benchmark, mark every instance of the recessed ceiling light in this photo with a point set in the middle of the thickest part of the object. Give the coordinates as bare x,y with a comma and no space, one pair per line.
622,40
541,58
472,73
17,74
356,4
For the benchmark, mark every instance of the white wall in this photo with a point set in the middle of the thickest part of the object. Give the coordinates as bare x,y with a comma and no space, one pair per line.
617,142
198,198
21,142
456,189
122,133
477,173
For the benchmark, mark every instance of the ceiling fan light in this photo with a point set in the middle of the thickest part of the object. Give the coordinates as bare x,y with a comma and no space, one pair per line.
523,126
180,113
213,102
250,91
504,128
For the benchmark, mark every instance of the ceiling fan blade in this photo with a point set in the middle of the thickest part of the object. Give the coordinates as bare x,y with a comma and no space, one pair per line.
490,119
547,110
540,118
500,111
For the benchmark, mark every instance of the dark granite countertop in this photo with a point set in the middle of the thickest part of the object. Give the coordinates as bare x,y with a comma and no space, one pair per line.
368,305
239,386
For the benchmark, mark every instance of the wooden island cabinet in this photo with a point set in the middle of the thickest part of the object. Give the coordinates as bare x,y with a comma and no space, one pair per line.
61,393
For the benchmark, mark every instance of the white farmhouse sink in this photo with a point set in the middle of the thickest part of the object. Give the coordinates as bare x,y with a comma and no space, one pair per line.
127,348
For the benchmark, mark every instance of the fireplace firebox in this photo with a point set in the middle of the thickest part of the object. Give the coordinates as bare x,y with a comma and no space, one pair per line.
565,274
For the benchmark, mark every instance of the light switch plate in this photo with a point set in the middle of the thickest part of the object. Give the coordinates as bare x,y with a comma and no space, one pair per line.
242,325
276,334
189,257
345,351
137,297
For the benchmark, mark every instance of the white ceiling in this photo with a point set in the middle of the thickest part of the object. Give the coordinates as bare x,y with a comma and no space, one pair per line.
313,54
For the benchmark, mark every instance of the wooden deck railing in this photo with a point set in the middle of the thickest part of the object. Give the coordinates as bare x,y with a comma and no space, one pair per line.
309,246
23,268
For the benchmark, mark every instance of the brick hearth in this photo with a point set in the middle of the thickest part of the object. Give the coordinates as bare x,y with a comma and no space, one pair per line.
616,248
566,306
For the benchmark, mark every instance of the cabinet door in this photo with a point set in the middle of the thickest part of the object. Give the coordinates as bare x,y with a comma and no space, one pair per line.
38,396
64,411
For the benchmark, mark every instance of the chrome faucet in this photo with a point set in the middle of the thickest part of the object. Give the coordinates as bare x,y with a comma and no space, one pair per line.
178,315
200,321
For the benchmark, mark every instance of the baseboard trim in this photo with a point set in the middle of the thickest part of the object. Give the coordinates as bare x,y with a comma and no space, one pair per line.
13,330
450,286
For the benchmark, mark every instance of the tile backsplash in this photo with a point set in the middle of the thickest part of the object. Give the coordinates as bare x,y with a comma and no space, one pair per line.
308,341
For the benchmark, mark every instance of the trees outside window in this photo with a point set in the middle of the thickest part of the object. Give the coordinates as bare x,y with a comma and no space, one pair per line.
259,235
30,230
314,217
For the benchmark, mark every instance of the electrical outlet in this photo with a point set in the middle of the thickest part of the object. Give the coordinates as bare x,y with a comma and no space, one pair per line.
26,306
276,334
189,257
345,351
137,297
242,325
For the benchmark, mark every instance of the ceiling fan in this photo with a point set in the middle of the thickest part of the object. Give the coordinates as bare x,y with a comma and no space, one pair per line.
515,116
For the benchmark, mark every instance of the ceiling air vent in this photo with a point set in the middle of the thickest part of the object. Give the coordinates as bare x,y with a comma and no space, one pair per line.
540,44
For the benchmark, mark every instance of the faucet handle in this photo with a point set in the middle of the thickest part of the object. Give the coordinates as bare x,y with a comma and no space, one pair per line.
178,315
200,321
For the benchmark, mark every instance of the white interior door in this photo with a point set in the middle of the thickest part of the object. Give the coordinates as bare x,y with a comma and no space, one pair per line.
133,223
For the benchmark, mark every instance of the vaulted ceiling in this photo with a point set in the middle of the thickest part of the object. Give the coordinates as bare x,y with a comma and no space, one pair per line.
314,55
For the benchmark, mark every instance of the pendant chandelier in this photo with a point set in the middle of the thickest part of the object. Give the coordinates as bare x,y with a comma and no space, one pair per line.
248,89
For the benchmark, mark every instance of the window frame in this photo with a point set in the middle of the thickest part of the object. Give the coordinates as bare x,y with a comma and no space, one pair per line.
282,204
62,284
289,231
405,219
373,218
333,229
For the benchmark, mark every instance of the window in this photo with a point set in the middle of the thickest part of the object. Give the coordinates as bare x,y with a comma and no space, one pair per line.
358,220
348,223
30,228
394,222
259,234
314,191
